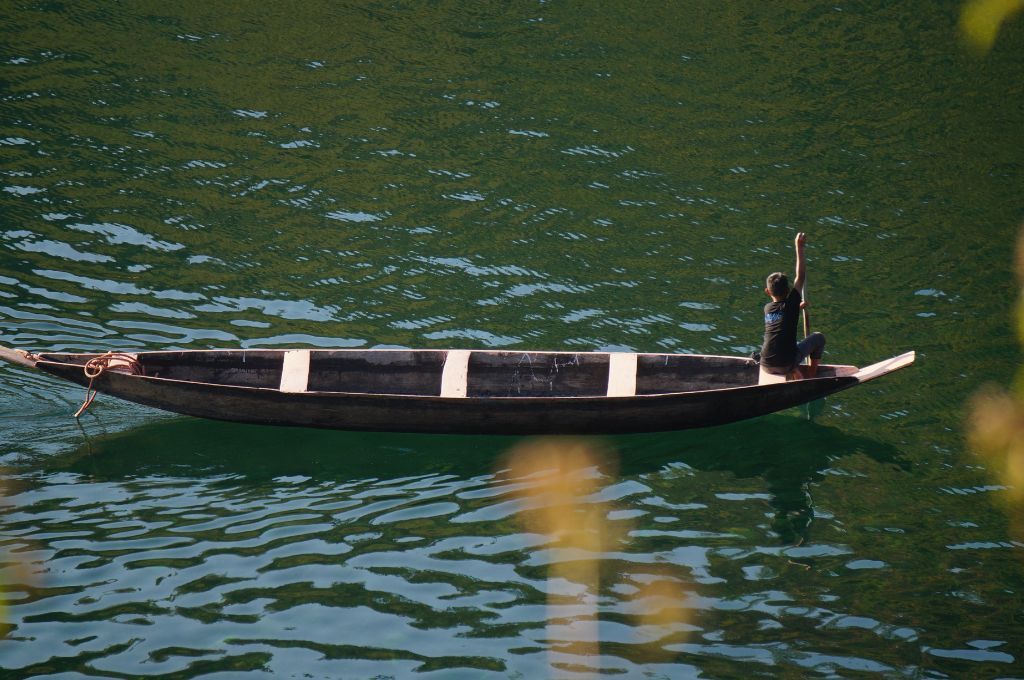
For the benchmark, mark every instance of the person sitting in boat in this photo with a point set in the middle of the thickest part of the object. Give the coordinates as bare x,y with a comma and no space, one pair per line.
781,354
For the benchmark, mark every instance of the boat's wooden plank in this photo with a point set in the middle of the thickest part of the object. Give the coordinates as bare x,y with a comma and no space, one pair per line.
455,375
295,371
621,374
766,378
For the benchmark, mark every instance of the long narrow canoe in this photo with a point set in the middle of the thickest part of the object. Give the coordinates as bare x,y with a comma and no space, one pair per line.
453,391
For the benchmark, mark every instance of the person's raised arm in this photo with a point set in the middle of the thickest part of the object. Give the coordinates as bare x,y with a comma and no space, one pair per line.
801,263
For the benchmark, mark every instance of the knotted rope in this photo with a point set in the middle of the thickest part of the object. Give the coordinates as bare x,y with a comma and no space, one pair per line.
95,367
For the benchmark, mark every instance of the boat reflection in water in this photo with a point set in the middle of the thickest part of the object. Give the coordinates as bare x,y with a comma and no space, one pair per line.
562,487
787,454
584,555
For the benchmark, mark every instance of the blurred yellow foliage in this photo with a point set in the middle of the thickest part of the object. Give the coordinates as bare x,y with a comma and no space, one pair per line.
997,434
554,479
4,626
558,482
13,569
556,476
980,21
996,428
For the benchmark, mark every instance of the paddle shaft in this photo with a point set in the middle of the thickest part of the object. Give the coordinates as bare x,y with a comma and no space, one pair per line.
807,317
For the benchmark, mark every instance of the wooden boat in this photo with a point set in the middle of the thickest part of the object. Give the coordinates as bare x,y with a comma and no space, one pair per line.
451,391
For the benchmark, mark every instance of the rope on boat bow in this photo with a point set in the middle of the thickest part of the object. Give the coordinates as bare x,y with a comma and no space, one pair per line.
95,367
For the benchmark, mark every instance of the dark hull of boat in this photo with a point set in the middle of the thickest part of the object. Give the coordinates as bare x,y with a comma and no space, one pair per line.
487,392
490,415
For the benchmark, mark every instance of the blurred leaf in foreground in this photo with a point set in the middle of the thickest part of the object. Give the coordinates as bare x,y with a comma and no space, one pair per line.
558,483
996,428
15,573
980,21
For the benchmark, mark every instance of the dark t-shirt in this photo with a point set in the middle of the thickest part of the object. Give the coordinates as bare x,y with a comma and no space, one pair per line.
778,351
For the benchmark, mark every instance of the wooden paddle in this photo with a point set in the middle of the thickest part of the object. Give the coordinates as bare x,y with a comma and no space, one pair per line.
812,408
807,318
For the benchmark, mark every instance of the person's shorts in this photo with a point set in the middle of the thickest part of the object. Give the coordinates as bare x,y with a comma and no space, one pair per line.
812,346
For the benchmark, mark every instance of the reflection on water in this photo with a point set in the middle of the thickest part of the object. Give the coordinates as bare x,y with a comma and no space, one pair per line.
397,552
362,553
787,459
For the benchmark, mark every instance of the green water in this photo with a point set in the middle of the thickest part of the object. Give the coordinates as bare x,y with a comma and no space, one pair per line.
524,175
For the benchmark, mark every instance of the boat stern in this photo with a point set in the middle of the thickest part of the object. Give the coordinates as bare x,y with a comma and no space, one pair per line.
18,356
885,367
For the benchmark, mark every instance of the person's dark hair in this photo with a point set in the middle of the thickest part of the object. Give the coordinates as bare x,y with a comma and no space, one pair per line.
778,284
